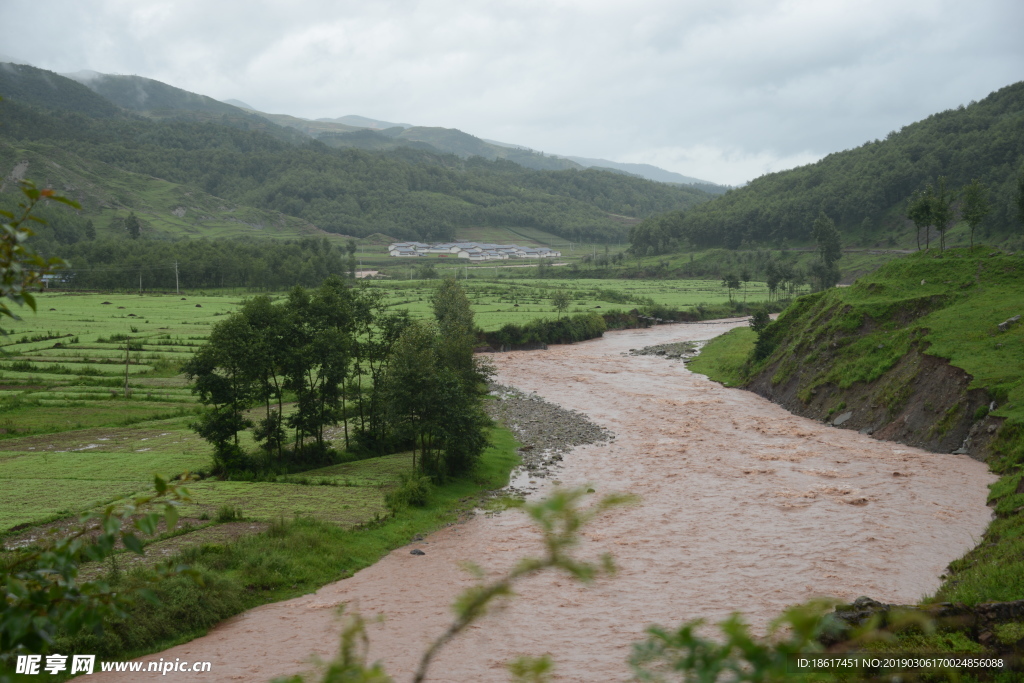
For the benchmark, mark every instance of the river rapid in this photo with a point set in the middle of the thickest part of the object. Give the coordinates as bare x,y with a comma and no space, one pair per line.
744,507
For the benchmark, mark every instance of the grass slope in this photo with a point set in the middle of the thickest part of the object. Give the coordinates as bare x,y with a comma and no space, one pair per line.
723,358
166,209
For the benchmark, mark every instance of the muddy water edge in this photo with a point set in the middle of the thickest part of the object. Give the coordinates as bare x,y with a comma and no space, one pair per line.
744,507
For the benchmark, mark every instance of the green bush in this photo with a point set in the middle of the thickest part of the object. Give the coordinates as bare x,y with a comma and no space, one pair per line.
413,490
228,513
579,327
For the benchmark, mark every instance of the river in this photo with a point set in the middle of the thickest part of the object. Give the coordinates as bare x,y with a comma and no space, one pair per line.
744,507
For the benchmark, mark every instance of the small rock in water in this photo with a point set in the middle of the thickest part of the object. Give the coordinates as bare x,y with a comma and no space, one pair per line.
416,551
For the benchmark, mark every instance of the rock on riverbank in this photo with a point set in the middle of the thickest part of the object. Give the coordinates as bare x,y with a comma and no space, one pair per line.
547,431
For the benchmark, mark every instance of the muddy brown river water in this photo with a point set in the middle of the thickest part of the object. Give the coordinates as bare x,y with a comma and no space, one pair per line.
745,507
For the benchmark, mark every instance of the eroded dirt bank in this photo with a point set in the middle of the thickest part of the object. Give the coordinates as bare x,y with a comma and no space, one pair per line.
745,507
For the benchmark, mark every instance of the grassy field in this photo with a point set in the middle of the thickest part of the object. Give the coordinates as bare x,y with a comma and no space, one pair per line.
70,439
497,302
723,358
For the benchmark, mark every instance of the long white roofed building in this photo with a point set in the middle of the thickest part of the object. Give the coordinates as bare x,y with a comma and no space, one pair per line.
473,251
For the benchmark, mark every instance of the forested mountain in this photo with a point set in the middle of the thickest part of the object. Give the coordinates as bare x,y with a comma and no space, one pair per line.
246,160
864,190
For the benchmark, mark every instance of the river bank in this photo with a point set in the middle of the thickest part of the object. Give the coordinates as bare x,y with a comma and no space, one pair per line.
745,507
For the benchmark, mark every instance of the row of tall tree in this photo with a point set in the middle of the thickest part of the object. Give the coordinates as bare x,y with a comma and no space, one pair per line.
200,263
937,207
337,356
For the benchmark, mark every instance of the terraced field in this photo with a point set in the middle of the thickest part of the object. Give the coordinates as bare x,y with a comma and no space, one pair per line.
72,437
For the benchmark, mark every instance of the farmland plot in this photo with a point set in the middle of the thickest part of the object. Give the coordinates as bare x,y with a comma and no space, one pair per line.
72,437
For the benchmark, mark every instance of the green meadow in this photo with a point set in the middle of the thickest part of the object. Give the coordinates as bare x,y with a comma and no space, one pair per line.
498,302
74,437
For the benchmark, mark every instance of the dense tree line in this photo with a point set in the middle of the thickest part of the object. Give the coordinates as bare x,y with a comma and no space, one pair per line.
406,192
338,356
864,190
576,328
198,264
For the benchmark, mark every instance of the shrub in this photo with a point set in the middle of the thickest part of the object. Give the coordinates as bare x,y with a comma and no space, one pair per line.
413,490
228,513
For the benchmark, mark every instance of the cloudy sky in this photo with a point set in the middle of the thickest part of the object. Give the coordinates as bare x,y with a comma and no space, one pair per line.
724,90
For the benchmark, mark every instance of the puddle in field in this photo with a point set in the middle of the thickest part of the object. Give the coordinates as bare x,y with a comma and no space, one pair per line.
744,507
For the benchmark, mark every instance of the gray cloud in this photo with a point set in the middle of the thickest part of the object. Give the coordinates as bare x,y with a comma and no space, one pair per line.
722,90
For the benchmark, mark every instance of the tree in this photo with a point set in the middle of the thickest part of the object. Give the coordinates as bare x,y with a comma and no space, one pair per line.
269,349
731,281
759,320
942,211
132,225
458,333
745,278
975,205
225,384
22,269
90,230
828,239
826,276
830,249
772,277
318,362
377,331
350,249
410,385
919,211
561,301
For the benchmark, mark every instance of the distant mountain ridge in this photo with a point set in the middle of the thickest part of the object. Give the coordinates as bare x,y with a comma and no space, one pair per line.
190,166
156,99
363,122
645,171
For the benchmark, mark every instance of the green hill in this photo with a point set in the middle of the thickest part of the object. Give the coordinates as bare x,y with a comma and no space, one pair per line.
108,194
405,192
865,189
156,100
47,90
440,140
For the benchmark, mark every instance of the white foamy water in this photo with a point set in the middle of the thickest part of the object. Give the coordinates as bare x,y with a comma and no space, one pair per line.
745,507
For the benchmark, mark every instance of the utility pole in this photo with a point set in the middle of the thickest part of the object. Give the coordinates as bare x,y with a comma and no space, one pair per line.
127,351
176,290
140,283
